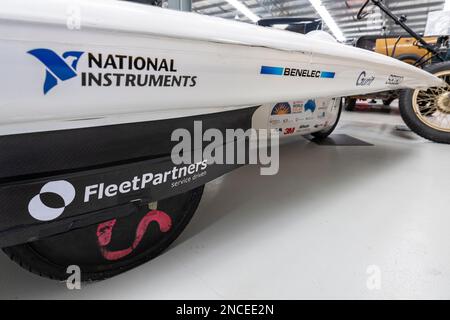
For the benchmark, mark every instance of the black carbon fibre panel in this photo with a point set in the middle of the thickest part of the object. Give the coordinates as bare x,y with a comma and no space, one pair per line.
56,152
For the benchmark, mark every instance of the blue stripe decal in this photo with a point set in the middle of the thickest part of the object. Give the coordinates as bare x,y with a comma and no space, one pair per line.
277,71
327,75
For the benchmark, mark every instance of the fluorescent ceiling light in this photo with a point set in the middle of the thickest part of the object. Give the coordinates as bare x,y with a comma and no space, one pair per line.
328,19
243,9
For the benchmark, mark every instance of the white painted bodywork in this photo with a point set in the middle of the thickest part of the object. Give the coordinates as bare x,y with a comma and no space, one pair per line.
225,57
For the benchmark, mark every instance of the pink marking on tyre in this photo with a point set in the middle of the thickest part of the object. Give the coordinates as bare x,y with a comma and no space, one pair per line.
105,231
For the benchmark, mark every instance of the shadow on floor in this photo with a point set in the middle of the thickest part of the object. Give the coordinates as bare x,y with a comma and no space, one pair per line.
307,174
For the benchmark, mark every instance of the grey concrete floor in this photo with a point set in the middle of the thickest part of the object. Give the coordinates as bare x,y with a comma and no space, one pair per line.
333,222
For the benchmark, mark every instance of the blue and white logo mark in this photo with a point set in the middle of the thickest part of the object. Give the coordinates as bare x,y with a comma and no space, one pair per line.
310,105
62,68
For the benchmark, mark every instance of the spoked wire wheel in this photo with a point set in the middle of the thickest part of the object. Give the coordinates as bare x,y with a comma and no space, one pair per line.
427,111
432,106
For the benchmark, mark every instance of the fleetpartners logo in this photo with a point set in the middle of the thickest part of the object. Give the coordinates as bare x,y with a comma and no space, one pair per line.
42,212
177,176
111,70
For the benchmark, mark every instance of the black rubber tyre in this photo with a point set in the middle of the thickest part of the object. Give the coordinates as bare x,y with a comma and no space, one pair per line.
320,135
107,249
412,119
408,58
350,104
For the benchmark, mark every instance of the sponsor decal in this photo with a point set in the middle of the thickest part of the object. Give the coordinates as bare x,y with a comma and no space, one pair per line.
288,131
111,70
303,128
297,106
275,122
327,74
323,105
40,210
277,71
281,108
364,80
300,73
43,212
395,80
310,105
57,68
177,176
